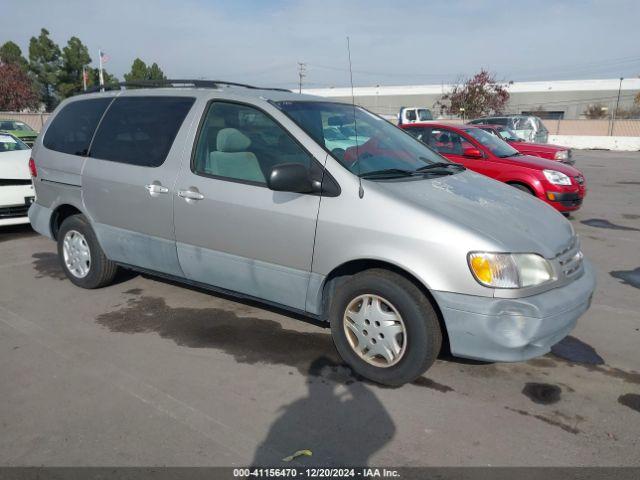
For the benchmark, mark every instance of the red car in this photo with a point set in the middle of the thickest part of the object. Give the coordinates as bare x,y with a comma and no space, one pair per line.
553,182
543,150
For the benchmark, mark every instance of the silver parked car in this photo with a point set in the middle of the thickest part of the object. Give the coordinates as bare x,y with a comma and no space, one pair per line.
235,189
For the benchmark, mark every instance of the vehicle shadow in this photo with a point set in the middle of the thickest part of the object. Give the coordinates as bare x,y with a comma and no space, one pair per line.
16,232
47,264
340,421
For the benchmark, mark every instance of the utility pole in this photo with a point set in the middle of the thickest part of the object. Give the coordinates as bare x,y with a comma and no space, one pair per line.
615,112
302,72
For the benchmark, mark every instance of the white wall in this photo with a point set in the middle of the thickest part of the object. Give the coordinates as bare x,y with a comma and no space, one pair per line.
624,144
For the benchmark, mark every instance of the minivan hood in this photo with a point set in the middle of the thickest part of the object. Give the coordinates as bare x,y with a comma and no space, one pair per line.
15,165
515,221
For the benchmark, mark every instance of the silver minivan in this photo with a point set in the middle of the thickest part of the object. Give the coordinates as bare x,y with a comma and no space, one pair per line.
240,190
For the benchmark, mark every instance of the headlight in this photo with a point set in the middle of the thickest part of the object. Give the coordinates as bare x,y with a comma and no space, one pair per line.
561,155
509,270
557,178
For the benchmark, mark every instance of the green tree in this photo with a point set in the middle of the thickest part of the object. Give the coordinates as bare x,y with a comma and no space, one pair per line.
45,63
155,73
94,78
10,53
75,56
140,71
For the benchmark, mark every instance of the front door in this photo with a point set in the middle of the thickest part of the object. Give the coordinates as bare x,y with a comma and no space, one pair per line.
232,232
128,179
452,145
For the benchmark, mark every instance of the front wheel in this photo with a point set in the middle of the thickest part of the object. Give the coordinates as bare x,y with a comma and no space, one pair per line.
522,188
384,327
83,261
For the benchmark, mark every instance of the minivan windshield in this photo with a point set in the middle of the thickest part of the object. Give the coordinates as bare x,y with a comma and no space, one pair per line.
498,147
364,143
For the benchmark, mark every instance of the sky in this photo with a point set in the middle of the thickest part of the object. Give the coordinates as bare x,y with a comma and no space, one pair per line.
392,43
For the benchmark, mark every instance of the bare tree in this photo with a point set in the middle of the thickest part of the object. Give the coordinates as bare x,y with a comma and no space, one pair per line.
595,112
477,96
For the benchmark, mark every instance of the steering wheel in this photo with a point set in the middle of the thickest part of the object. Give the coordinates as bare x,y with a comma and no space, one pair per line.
357,164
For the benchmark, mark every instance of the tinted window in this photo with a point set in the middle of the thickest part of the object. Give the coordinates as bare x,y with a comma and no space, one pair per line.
497,146
420,133
411,115
242,143
73,127
447,142
140,130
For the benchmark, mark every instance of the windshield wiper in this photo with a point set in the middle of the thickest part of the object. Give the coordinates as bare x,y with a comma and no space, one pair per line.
388,173
436,165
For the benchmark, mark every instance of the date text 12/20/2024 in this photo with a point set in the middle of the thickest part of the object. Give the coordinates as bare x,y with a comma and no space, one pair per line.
315,473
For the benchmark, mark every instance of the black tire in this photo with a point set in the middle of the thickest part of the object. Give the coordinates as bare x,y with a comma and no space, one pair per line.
101,270
522,188
423,334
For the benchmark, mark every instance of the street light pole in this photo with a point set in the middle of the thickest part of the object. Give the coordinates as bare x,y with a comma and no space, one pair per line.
615,112
302,72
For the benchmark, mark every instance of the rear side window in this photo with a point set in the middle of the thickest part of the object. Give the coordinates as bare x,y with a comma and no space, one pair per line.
72,129
140,130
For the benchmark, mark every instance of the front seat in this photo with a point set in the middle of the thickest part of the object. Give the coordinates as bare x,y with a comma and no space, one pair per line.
231,158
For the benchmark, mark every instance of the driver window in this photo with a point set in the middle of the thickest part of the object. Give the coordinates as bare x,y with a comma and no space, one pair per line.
444,141
242,143
411,115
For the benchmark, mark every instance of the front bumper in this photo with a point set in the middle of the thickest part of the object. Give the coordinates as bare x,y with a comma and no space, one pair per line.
14,203
511,330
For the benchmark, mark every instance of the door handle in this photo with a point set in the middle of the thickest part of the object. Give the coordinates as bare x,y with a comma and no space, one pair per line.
155,189
191,194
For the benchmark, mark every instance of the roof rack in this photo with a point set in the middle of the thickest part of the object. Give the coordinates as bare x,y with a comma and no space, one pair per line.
178,83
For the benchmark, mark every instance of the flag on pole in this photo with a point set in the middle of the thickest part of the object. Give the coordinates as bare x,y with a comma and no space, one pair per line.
104,58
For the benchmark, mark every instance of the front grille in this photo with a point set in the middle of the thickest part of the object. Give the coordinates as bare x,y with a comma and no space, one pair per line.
573,202
570,258
14,211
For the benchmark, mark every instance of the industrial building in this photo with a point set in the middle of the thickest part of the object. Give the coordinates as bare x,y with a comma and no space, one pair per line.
558,99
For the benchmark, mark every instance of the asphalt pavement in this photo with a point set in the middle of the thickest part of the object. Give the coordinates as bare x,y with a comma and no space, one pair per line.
147,372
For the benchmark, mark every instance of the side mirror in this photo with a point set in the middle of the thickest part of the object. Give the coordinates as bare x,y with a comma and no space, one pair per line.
290,177
472,153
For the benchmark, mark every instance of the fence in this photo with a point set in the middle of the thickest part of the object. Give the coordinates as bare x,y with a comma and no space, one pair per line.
605,127
34,120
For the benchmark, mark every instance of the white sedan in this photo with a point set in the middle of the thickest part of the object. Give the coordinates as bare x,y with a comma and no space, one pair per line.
16,189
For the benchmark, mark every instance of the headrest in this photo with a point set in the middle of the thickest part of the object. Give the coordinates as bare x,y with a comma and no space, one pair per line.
232,140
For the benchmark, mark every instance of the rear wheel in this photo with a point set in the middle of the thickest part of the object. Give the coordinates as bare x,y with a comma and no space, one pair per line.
83,261
384,327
